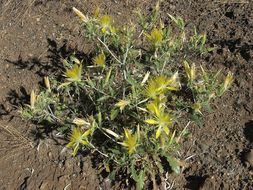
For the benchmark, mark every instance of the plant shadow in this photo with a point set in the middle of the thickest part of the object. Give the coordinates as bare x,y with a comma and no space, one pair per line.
248,131
195,182
52,67
55,57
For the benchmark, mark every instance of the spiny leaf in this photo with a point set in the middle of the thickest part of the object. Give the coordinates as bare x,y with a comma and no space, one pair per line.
174,164
114,113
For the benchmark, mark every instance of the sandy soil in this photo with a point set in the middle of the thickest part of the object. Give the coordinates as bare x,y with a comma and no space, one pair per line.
37,35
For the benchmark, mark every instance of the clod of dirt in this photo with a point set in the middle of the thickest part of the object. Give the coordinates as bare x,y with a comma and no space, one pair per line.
249,157
248,131
195,182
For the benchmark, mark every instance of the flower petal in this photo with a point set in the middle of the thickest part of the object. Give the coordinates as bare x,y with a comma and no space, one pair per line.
151,121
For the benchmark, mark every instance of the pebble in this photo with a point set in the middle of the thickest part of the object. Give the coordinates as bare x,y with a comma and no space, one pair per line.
249,157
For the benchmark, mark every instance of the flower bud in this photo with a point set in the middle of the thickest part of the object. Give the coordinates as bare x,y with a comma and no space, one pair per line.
228,80
80,15
32,99
47,83
80,122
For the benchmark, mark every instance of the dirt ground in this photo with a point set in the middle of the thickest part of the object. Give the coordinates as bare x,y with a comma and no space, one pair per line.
36,35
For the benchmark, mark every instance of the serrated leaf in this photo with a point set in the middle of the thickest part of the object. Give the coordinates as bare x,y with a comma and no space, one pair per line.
90,83
103,98
141,179
106,166
131,81
133,172
112,91
107,78
197,119
99,115
63,85
64,128
115,151
138,178
174,164
114,113
112,175
210,49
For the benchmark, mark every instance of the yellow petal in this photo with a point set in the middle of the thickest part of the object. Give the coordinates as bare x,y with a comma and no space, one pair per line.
75,73
84,142
151,121
99,60
158,133
171,88
153,108
127,133
122,104
166,130
155,37
86,133
70,144
75,150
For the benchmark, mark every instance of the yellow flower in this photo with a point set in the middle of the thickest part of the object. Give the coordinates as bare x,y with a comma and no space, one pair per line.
106,23
197,107
74,74
78,138
99,60
151,90
160,129
155,37
190,71
161,119
47,83
160,85
130,141
154,107
122,104
173,82
228,81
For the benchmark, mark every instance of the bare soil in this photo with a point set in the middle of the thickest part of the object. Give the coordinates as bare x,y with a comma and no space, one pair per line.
37,35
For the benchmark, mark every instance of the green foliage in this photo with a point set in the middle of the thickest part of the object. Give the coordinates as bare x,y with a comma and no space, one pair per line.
129,103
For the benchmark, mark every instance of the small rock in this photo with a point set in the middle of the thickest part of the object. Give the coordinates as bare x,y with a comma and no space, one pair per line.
249,157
